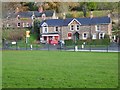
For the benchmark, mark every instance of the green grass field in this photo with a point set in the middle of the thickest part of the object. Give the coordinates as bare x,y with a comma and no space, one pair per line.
57,69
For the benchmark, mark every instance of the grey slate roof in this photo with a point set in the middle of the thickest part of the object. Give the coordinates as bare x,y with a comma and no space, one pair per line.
83,21
28,14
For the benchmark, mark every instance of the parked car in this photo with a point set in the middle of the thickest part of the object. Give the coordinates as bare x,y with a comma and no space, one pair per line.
54,42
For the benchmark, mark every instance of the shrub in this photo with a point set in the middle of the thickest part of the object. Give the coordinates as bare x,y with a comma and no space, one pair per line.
69,42
105,41
68,15
14,35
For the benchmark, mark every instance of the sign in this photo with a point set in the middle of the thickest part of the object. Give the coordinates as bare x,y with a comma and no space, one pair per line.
13,42
27,33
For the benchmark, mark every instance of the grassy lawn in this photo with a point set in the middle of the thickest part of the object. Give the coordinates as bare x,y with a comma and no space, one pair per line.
57,69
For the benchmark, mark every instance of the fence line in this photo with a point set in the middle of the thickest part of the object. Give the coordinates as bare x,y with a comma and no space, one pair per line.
27,46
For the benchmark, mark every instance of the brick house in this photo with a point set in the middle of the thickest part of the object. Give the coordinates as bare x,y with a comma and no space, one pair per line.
22,19
53,30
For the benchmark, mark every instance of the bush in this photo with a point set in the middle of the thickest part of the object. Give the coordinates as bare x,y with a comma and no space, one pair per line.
69,15
105,41
69,42
12,34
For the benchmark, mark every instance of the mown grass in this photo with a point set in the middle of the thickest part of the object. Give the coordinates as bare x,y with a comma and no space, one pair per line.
55,69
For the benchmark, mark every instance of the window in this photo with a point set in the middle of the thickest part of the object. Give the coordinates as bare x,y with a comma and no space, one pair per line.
97,28
18,24
45,29
18,17
94,36
56,29
8,25
84,35
23,24
101,35
77,27
27,24
72,27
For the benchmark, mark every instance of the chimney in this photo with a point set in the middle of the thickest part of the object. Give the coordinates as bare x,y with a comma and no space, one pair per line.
91,14
64,15
109,15
54,15
17,10
40,9
43,16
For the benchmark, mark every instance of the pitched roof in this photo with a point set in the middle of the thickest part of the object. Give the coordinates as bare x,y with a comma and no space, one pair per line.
83,21
28,14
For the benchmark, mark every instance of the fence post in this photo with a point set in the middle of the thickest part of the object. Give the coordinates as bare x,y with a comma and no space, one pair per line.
48,46
107,48
36,47
26,46
90,47
16,45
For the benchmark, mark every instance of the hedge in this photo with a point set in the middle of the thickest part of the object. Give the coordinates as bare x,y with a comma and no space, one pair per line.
105,41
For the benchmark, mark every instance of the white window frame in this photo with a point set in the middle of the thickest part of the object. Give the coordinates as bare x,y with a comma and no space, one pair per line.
18,25
103,35
27,24
94,36
8,25
72,28
86,35
97,28
56,28
44,28
23,24
77,27
18,17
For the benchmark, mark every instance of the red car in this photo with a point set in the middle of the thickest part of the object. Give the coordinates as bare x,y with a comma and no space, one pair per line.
54,42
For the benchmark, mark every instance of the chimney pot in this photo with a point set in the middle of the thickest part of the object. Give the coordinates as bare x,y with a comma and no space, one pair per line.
40,9
91,14
64,15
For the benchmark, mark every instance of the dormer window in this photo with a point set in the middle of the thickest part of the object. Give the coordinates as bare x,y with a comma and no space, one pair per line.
44,27
43,16
33,17
18,17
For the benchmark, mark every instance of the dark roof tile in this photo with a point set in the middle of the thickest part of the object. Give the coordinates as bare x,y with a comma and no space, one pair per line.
83,21
28,14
